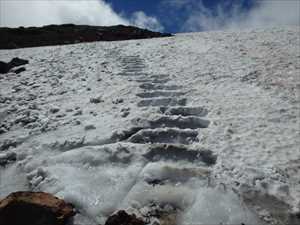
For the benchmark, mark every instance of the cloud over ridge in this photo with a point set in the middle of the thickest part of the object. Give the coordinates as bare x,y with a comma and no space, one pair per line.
14,13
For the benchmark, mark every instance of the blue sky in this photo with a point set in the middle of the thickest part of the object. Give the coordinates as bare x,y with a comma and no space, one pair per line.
173,13
160,15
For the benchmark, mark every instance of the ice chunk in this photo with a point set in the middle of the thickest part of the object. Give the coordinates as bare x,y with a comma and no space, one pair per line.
213,206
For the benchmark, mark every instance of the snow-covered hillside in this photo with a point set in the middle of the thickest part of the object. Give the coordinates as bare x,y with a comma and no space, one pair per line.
199,128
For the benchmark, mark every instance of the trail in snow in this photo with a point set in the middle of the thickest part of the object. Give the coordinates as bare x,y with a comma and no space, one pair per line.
163,190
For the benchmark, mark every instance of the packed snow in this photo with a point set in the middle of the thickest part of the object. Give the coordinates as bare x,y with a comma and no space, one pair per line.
199,128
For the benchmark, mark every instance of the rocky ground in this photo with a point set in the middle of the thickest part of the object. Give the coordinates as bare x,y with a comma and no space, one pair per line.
199,128
11,38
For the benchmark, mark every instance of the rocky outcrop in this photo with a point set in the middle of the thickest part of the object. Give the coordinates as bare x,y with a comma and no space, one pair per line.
34,208
123,218
21,37
15,62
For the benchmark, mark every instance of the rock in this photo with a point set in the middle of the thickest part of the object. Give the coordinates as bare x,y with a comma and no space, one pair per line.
96,100
20,70
4,67
18,62
15,62
122,218
34,208
69,34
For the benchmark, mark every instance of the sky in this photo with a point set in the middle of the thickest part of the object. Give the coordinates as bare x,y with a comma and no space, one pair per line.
172,16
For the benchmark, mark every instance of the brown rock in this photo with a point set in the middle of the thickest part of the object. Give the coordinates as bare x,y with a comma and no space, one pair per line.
34,208
122,218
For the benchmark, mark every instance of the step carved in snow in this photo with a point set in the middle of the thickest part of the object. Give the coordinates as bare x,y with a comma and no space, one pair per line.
162,102
184,111
154,81
154,94
151,86
180,152
164,135
189,122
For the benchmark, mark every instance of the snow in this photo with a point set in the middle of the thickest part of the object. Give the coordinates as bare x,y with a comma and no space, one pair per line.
244,84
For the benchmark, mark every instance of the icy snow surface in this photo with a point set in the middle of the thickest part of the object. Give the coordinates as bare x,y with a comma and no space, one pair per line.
199,128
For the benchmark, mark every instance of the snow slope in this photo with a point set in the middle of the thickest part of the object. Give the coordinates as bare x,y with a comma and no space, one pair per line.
199,128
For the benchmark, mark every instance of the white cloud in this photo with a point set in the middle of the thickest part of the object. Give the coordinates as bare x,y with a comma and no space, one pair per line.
265,14
14,13
273,13
36,13
140,19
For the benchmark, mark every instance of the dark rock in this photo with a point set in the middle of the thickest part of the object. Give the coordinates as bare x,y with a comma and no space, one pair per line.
122,218
18,62
34,208
4,67
69,34
20,70
15,62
